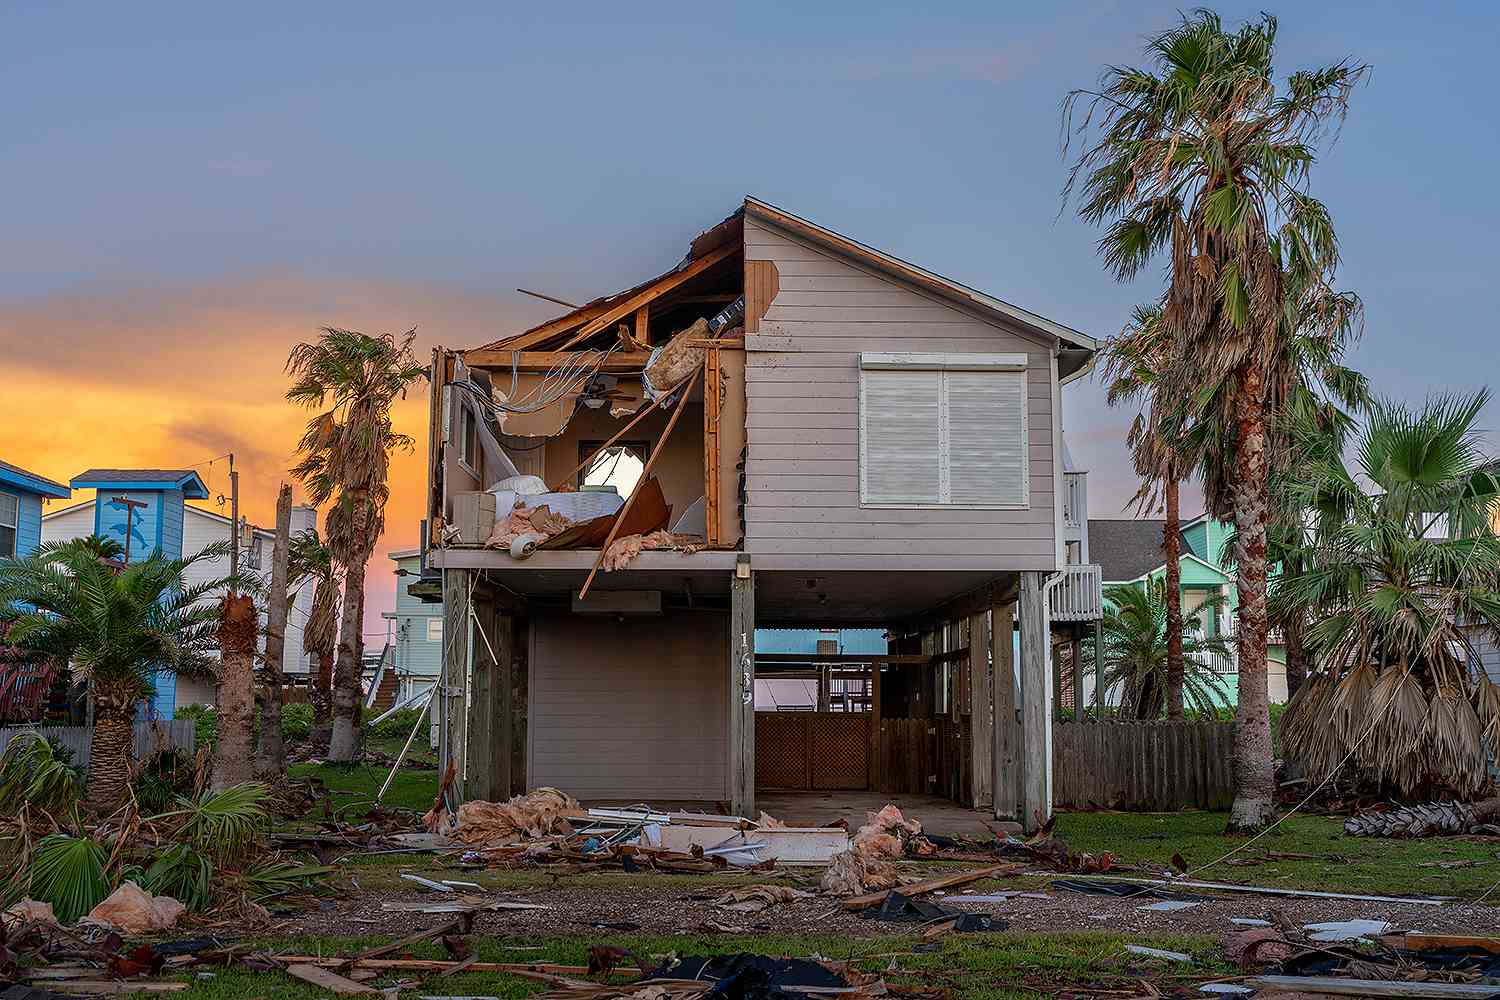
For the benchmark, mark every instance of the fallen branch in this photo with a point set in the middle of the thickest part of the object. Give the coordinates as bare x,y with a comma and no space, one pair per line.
931,885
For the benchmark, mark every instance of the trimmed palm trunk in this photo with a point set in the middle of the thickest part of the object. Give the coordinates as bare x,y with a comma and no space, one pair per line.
234,755
1296,653
1254,773
271,758
322,700
110,743
1172,549
347,668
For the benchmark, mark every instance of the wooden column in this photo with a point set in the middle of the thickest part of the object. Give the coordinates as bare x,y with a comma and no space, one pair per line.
520,703
825,684
1036,704
489,736
1007,731
981,718
457,649
742,689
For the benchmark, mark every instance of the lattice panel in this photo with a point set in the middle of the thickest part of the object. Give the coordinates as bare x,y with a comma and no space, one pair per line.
781,760
840,750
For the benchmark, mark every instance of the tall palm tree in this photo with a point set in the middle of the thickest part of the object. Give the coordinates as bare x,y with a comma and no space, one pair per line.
311,561
352,380
1138,367
1401,566
1134,633
118,625
1202,156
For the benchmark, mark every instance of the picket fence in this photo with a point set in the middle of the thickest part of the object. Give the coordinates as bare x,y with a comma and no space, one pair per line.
149,736
1150,766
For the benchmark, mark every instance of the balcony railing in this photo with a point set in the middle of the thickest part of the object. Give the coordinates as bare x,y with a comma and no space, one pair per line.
1079,595
1075,499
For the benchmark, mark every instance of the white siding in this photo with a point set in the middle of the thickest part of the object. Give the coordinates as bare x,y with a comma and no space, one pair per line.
803,505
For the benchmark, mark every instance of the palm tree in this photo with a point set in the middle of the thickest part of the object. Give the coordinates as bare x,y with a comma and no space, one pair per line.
1138,364
1134,633
345,464
1393,580
1202,156
311,561
119,625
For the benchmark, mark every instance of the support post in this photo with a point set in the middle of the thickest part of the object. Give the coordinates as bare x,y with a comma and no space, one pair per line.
825,673
1077,653
742,689
489,736
981,721
1099,670
457,647
1036,704
1006,734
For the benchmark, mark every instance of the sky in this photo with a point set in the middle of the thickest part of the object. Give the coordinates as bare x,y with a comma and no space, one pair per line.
191,189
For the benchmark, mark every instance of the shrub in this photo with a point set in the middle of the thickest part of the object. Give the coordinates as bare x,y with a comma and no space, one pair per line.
162,778
37,772
398,726
296,722
206,723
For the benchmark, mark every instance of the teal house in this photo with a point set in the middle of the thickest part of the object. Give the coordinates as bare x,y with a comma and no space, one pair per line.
1129,550
21,497
143,510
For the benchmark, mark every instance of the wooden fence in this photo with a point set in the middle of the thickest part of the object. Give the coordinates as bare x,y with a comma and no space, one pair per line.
149,737
1150,766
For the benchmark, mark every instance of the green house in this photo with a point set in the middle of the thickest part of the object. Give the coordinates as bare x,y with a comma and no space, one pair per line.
1130,552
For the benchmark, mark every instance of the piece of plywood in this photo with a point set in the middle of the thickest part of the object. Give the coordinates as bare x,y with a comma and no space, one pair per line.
785,844
762,284
331,981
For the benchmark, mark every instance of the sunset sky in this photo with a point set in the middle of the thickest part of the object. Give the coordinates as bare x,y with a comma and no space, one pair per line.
190,189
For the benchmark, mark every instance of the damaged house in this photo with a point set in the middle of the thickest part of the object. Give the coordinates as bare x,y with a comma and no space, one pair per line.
789,429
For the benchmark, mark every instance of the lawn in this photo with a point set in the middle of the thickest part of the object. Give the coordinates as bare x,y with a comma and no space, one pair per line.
974,966
1446,866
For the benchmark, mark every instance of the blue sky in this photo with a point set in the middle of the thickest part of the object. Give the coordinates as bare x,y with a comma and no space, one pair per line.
189,184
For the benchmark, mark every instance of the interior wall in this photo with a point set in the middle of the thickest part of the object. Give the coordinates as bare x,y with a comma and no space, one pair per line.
680,467
632,708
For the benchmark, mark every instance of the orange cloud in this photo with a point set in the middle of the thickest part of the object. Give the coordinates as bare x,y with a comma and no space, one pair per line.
170,378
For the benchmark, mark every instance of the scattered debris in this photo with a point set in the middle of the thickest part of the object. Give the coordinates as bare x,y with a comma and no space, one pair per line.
331,981
537,813
1265,890
1338,986
1253,948
930,885
754,898
1426,819
1346,930
132,910
897,907
1169,905
1169,956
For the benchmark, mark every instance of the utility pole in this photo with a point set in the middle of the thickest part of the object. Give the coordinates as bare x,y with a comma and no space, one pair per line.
131,506
234,521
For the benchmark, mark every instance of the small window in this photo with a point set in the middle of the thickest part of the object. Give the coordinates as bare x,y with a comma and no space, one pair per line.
10,520
434,630
468,451
943,430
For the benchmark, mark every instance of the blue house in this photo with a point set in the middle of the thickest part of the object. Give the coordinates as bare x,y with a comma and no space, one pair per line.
143,510
21,496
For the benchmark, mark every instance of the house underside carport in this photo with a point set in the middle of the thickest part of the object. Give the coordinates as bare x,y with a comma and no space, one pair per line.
645,689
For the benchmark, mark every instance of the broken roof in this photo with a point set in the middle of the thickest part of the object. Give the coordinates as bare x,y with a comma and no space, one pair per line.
559,331
186,480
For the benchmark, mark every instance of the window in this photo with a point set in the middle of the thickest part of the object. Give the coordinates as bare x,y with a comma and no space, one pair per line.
10,520
943,430
468,446
434,630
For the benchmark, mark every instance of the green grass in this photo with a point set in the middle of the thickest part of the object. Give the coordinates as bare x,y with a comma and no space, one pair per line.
975,966
354,787
1342,864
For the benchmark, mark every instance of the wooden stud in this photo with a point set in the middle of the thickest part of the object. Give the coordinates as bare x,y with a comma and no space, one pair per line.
614,529
712,397
562,481
1003,693
621,362
643,326
981,707
457,637
741,665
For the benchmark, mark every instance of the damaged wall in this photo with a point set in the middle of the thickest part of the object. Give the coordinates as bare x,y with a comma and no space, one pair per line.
803,506
631,709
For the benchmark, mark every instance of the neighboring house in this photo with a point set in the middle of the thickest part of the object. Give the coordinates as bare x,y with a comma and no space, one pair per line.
798,682
22,494
162,519
867,445
416,630
1129,551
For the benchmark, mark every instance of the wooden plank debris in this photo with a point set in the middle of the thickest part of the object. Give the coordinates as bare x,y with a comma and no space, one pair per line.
328,980
1429,942
1268,890
931,885
1339,986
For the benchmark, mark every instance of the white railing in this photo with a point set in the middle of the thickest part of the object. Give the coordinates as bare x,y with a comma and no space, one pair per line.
1221,664
1079,595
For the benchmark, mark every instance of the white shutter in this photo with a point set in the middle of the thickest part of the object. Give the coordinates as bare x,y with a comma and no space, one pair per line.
899,439
986,418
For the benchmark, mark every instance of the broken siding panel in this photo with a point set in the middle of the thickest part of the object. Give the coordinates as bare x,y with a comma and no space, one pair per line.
803,489
632,709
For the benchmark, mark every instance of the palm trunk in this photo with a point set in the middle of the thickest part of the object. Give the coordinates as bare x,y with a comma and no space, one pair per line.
1296,653
322,701
347,669
1172,549
234,760
271,758
1254,776
110,744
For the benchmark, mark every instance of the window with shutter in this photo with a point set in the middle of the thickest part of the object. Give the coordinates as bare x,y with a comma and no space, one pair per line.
943,429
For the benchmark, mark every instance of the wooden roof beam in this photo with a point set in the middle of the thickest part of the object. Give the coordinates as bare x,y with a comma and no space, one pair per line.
621,362
645,296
